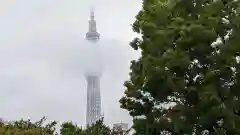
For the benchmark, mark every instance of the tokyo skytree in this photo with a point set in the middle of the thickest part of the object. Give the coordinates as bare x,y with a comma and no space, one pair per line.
92,75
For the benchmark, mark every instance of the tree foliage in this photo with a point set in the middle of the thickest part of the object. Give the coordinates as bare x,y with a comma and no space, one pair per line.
68,128
26,127
187,78
99,128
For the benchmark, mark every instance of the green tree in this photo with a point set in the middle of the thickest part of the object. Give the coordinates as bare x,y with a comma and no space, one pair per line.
98,128
26,127
187,78
68,128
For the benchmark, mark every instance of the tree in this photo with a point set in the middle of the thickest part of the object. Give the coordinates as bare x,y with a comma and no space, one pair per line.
26,127
187,78
68,128
98,128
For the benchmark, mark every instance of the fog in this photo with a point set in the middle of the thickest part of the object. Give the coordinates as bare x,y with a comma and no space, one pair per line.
43,55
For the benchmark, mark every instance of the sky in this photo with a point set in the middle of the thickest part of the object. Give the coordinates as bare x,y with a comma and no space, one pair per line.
43,54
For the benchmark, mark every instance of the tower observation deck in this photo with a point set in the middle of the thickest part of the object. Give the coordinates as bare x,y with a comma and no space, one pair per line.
93,113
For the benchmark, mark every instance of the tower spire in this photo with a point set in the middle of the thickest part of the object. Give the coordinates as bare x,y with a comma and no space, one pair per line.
92,34
92,14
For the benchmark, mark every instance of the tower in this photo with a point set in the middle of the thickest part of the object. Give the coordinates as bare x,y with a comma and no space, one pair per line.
92,75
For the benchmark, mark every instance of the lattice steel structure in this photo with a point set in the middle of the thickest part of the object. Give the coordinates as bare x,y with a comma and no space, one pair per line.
93,80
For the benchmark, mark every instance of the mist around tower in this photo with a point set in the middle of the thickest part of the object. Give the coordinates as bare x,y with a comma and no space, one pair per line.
94,65
90,65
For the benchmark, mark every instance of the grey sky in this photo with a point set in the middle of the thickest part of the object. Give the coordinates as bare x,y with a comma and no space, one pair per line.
43,52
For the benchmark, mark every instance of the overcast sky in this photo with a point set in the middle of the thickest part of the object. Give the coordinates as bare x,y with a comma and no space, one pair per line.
43,52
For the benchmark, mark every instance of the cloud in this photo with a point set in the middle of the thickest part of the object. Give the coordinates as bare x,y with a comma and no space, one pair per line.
43,55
